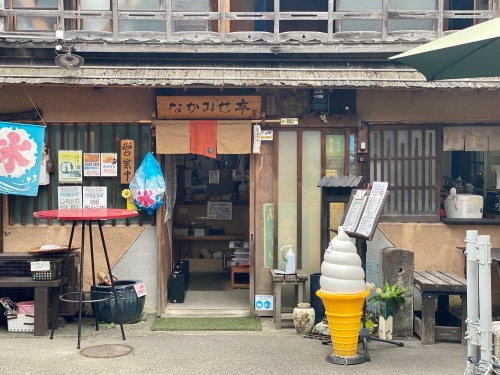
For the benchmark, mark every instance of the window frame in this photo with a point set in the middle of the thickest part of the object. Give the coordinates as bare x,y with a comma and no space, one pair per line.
433,185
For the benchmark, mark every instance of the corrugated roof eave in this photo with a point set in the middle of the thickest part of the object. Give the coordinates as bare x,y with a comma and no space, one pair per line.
249,75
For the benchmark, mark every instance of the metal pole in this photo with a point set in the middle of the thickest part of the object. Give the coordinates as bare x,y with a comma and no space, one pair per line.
485,319
472,298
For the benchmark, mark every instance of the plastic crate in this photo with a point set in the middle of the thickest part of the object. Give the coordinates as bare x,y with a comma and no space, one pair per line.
53,273
20,323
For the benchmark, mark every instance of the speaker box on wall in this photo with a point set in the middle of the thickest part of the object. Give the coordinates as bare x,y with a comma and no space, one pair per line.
343,102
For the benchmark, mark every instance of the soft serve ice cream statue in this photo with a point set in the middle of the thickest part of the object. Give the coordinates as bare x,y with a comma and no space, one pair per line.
341,270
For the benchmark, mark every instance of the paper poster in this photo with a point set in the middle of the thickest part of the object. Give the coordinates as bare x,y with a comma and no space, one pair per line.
91,165
70,166
69,197
109,165
266,135
220,210
256,139
95,197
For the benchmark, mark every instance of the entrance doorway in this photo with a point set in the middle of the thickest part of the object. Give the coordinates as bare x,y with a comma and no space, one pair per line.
210,233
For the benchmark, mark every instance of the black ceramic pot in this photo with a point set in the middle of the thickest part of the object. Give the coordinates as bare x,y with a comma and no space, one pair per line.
129,303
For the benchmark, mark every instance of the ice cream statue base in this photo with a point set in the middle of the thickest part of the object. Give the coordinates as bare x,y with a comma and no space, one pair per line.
343,312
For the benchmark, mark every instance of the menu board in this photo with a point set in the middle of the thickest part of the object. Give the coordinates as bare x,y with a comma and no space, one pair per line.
364,209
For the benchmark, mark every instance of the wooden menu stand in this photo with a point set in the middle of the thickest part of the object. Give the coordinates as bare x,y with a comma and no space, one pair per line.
360,221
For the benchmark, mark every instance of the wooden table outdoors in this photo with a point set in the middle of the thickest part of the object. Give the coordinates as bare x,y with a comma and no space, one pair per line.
298,279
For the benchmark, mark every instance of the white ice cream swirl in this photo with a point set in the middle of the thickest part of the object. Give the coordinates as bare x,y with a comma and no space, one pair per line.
341,271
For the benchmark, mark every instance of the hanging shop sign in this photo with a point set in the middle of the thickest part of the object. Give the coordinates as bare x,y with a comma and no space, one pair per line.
208,107
126,161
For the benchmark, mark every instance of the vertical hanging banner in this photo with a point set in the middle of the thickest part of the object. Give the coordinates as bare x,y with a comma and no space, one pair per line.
127,166
21,148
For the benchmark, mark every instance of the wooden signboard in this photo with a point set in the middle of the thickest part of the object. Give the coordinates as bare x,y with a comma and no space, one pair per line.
126,160
208,107
364,210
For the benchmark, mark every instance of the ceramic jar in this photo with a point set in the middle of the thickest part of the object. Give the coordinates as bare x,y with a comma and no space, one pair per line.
129,303
303,318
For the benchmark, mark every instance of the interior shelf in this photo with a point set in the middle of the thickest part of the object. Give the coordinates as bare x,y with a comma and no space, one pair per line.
221,237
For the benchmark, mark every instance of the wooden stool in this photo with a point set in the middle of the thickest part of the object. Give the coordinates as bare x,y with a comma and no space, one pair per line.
237,270
298,279
438,286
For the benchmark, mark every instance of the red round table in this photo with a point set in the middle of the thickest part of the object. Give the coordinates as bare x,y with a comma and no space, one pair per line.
86,216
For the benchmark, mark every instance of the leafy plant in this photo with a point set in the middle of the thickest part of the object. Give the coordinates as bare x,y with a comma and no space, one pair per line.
393,293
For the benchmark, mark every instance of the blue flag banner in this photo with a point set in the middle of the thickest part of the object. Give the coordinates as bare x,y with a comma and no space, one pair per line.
21,147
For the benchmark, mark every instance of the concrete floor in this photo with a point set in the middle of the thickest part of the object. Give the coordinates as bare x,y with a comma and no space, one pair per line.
210,293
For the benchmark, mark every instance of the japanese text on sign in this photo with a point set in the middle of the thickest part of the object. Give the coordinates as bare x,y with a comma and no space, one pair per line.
69,197
108,164
126,161
70,166
208,107
91,165
95,197
220,210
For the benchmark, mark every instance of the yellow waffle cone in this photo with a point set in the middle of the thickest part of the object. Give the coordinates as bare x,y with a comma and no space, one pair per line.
343,312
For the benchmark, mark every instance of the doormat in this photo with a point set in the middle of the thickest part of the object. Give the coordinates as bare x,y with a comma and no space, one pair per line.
240,323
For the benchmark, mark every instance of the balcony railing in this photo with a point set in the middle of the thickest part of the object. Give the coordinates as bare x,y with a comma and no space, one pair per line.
238,21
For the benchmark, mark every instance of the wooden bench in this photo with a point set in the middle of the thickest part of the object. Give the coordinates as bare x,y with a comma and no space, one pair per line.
46,295
436,322
298,279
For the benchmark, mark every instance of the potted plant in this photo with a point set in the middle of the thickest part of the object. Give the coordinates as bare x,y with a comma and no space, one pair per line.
387,298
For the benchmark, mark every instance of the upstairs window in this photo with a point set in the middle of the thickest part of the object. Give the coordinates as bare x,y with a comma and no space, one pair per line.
30,23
